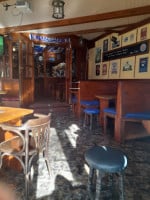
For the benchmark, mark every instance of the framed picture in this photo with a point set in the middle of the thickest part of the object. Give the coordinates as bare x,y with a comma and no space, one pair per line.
106,44
143,32
129,37
114,69
142,69
97,70
104,69
115,41
98,55
127,67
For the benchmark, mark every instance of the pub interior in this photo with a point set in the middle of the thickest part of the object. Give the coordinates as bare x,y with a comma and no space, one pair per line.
74,102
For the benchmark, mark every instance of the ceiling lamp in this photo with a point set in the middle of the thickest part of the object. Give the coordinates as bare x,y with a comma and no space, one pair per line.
58,9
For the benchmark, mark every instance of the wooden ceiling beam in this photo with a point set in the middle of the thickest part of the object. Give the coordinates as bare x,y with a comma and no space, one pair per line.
81,20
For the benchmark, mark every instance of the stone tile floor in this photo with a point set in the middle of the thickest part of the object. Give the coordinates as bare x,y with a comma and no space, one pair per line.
69,173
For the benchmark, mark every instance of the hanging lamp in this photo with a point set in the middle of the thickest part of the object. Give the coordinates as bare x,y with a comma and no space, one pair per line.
58,9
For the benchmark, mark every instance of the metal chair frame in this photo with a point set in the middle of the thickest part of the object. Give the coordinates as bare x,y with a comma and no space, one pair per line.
39,130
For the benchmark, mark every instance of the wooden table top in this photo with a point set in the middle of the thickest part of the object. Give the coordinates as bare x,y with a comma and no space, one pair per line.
107,97
10,113
3,92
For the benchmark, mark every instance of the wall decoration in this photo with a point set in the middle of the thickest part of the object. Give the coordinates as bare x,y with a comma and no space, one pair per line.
143,32
104,70
130,50
142,69
106,43
129,37
97,71
127,67
115,41
143,64
98,55
114,69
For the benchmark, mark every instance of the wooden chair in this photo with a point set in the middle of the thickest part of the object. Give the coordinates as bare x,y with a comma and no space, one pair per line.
30,139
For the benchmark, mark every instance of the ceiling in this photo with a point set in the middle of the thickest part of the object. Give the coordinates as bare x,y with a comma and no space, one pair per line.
88,19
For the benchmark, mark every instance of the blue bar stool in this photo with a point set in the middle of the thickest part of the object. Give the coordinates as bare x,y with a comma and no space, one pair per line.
104,160
89,103
89,114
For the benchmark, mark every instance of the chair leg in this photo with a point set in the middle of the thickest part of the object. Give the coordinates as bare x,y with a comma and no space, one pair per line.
45,156
48,166
105,124
91,122
26,186
85,120
121,186
90,186
98,184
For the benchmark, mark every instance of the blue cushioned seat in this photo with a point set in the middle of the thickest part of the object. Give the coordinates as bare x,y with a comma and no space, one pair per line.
107,159
139,115
89,102
104,160
92,110
110,110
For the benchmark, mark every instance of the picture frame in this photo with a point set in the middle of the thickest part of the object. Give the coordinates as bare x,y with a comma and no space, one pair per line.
114,69
98,54
97,70
143,32
106,44
127,67
129,37
142,68
104,70
115,41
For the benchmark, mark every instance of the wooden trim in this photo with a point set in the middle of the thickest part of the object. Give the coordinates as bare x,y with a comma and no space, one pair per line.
80,20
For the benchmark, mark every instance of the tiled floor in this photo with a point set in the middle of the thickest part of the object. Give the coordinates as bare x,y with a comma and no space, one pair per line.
68,143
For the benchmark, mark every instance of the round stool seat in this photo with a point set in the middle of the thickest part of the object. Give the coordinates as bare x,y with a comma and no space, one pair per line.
107,159
91,110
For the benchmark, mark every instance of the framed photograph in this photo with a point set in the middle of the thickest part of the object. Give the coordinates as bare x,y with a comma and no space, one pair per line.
98,55
104,70
105,44
97,70
143,65
129,37
127,67
143,32
114,69
115,41
142,69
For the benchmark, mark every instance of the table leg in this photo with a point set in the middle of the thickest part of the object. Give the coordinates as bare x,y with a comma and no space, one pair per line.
104,103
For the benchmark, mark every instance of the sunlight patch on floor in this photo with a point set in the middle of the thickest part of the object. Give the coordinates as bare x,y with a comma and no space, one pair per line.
72,135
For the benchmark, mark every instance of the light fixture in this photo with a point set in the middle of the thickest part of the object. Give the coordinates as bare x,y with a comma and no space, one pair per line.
58,9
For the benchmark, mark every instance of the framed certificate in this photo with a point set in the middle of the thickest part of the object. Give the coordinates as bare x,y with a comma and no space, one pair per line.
142,69
143,32
104,70
129,37
127,67
114,69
